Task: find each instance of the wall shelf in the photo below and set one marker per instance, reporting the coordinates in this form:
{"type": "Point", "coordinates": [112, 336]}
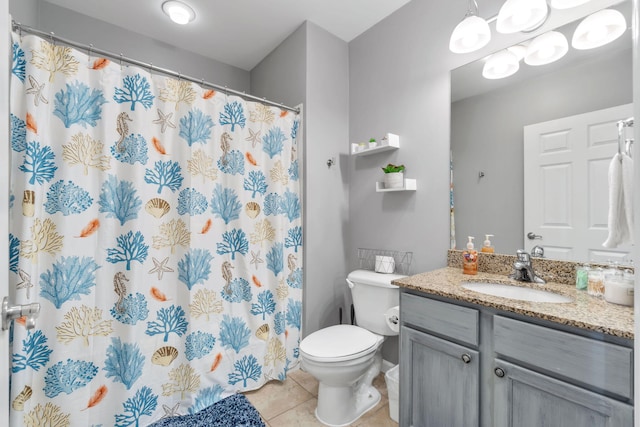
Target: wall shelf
{"type": "Point", "coordinates": [409, 185]}
{"type": "Point", "coordinates": [388, 143]}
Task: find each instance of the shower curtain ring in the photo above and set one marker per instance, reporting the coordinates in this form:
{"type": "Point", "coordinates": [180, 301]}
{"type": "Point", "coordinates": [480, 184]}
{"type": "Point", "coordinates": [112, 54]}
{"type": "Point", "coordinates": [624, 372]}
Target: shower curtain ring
{"type": "Point", "coordinates": [150, 67]}
{"type": "Point", "coordinates": [89, 54]}
{"type": "Point", "coordinates": [121, 62]}
{"type": "Point", "coordinates": [51, 34]}
{"type": "Point", "coordinates": [20, 32]}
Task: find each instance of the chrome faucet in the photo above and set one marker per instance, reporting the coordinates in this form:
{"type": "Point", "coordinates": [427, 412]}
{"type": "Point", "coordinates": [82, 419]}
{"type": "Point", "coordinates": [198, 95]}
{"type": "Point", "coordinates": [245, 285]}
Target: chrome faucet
{"type": "Point", "coordinates": [523, 270]}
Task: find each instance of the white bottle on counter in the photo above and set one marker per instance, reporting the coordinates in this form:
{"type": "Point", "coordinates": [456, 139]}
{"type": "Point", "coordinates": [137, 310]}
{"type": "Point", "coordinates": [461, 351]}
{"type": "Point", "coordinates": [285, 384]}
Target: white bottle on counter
{"type": "Point", "coordinates": [619, 288]}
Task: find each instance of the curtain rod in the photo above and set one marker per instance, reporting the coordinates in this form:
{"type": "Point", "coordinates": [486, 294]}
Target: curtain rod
{"type": "Point", "coordinates": [16, 26]}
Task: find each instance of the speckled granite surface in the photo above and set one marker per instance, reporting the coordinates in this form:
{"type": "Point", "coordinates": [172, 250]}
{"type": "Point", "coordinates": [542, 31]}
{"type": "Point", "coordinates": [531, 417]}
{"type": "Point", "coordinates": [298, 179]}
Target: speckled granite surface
{"type": "Point", "coordinates": [549, 269]}
{"type": "Point", "coordinates": [584, 312]}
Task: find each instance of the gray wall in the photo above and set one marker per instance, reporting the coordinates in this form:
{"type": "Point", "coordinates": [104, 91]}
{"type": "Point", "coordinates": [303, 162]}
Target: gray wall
{"type": "Point", "coordinates": [400, 83]}
{"type": "Point", "coordinates": [80, 28]}
{"type": "Point", "coordinates": [311, 66]}
{"type": "Point", "coordinates": [487, 135]}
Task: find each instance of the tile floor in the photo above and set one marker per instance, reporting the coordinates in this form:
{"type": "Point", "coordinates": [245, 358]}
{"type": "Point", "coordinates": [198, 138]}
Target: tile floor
{"type": "Point", "coordinates": [292, 403]}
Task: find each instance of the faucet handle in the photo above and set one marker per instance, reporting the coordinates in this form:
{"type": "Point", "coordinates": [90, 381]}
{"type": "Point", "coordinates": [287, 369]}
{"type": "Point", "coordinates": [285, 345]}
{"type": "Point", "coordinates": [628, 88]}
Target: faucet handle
{"type": "Point", "coordinates": [537, 251]}
{"type": "Point", "coordinates": [523, 255]}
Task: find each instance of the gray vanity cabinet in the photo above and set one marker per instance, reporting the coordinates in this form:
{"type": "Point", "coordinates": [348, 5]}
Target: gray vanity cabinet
{"type": "Point", "coordinates": [524, 398]}
{"type": "Point", "coordinates": [441, 380]}
{"type": "Point", "coordinates": [440, 364]}
{"type": "Point", "coordinates": [565, 369]}
{"type": "Point", "coordinates": [467, 365]}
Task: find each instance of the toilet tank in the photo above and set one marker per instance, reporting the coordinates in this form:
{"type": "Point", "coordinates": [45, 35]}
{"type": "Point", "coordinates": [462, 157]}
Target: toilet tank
{"type": "Point", "coordinates": [373, 294]}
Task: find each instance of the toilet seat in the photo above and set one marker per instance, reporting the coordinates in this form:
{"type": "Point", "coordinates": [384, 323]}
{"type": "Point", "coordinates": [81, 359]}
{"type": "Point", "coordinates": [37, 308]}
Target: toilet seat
{"type": "Point", "coordinates": [338, 343]}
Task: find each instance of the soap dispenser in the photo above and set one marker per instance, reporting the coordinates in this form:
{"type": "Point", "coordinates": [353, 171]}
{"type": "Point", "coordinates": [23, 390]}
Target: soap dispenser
{"type": "Point", "coordinates": [470, 258]}
{"type": "Point", "coordinates": [487, 248]}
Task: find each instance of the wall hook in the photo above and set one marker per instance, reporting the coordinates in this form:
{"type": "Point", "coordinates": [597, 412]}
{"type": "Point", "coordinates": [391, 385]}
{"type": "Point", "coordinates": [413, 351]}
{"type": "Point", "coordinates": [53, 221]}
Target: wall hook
{"type": "Point", "coordinates": [480, 175]}
{"type": "Point", "coordinates": [331, 162]}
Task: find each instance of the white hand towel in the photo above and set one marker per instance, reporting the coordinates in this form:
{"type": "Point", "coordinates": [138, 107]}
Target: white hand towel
{"type": "Point", "coordinates": [620, 201]}
{"type": "Point", "coordinates": [627, 191]}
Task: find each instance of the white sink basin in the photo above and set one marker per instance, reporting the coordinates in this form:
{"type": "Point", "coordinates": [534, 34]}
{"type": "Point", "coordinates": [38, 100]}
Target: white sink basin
{"type": "Point", "coordinates": [516, 292]}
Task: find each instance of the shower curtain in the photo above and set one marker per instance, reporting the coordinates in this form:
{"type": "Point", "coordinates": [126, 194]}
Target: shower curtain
{"type": "Point", "coordinates": [159, 226]}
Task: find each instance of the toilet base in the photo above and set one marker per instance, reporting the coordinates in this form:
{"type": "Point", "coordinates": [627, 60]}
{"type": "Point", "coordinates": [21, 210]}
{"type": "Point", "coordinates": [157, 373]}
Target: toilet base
{"type": "Point", "coordinates": [365, 399]}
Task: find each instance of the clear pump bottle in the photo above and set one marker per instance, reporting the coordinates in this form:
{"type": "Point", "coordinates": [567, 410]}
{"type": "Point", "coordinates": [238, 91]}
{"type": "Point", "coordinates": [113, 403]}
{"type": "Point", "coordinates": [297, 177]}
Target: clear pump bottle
{"type": "Point", "coordinates": [486, 247]}
{"type": "Point", "coordinates": [470, 259]}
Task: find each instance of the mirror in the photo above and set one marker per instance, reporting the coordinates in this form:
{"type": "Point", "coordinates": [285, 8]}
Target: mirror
{"type": "Point", "coordinates": [487, 138]}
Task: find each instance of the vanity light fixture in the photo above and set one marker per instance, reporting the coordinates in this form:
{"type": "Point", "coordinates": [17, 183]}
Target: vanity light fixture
{"type": "Point", "coordinates": [179, 12]}
{"type": "Point", "coordinates": [501, 64]}
{"type": "Point", "coordinates": [567, 4]}
{"type": "Point", "coordinates": [599, 29]}
{"type": "Point", "coordinates": [521, 15]}
{"type": "Point", "coordinates": [472, 33]}
{"type": "Point", "coordinates": [546, 48]}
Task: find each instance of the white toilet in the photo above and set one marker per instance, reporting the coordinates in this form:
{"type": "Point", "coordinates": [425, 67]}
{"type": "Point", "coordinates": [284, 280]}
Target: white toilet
{"type": "Point", "coordinates": [345, 359]}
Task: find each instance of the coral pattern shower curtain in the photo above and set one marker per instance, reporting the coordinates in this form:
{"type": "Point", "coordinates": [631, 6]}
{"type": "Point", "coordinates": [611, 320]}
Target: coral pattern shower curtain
{"type": "Point", "coordinates": [159, 226]}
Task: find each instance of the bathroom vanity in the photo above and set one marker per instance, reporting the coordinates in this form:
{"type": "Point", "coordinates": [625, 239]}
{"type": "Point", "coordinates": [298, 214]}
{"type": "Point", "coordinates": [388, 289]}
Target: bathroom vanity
{"type": "Point", "coordinates": [469, 359]}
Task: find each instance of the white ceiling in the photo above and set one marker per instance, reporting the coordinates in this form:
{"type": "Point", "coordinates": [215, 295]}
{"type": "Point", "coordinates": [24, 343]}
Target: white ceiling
{"type": "Point", "coordinates": [237, 32]}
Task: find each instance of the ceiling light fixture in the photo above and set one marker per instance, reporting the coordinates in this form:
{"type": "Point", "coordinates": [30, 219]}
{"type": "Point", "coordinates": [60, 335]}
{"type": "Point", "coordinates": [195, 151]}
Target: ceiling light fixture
{"type": "Point", "coordinates": [599, 29]}
{"type": "Point", "coordinates": [521, 15]}
{"type": "Point", "coordinates": [546, 48]}
{"type": "Point", "coordinates": [471, 34]}
{"type": "Point", "coordinates": [179, 12]}
{"type": "Point", "coordinates": [500, 65]}
{"type": "Point", "coordinates": [567, 4]}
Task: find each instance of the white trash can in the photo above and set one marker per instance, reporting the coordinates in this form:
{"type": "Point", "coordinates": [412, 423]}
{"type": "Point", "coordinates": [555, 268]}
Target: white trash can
{"type": "Point", "coordinates": [392, 378]}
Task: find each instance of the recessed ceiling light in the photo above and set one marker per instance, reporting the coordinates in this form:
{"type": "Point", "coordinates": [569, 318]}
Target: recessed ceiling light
{"type": "Point", "coordinates": [179, 12]}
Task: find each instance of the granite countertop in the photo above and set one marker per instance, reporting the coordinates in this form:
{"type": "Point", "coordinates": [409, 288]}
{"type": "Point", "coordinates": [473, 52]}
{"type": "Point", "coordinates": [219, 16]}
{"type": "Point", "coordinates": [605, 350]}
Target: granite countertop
{"type": "Point", "coordinates": [585, 312]}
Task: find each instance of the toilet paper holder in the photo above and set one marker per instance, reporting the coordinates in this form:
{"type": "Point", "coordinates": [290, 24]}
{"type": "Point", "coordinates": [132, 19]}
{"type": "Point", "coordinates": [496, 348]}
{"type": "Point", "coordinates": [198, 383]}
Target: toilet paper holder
{"type": "Point", "coordinates": [392, 318]}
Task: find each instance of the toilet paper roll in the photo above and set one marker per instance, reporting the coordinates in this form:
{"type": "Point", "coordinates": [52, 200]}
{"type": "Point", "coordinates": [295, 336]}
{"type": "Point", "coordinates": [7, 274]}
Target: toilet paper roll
{"type": "Point", "coordinates": [392, 317]}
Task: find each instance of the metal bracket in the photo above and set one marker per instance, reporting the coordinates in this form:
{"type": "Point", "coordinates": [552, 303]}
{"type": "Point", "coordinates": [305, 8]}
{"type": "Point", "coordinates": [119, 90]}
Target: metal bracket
{"type": "Point", "coordinates": [9, 313]}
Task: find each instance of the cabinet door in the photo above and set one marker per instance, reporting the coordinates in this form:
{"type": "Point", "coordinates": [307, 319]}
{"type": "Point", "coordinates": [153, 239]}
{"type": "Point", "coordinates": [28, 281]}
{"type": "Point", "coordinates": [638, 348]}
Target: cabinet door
{"type": "Point", "coordinates": [439, 382]}
{"type": "Point", "coordinates": [524, 398]}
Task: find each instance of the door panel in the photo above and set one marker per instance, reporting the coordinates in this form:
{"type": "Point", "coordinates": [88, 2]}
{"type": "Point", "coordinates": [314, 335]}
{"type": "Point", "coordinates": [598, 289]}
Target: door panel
{"type": "Point", "coordinates": [525, 398]}
{"type": "Point", "coordinates": [566, 194]}
{"type": "Point", "coordinates": [440, 388]}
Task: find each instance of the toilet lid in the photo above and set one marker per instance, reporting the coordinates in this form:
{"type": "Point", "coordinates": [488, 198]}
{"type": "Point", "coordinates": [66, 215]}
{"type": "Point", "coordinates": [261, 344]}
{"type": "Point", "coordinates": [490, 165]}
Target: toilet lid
{"type": "Point", "coordinates": [338, 341]}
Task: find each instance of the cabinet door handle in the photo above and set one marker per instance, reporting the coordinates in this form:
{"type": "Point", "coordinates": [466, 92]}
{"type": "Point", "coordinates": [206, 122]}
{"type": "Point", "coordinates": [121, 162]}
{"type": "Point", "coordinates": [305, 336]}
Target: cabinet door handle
{"type": "Point", "coordinates": [499, 372]}
{"type": "Point", "coordinates": [466, 358]}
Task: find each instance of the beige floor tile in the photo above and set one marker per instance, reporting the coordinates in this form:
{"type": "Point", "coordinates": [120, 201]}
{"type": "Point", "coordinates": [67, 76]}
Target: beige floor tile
{"type": "Point", "coordinates": [379, 418]}
{"type": "Point", "coordinates": [293, 403]}
{"type": "Point", "coordinates": [301, 415]}
{"type": "Point", "coordinates": [306, 380]}
{"type": "Point", "coordinates": [276, 398]}
{"type": "Point", "coordinates": [380, 384]}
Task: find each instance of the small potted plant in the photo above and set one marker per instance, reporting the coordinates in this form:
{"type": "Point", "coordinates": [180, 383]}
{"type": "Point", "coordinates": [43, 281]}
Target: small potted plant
{"type": "Point", "coordinates": [372, 143]}
{"type": "Point", "coordinates": [393, 176]}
